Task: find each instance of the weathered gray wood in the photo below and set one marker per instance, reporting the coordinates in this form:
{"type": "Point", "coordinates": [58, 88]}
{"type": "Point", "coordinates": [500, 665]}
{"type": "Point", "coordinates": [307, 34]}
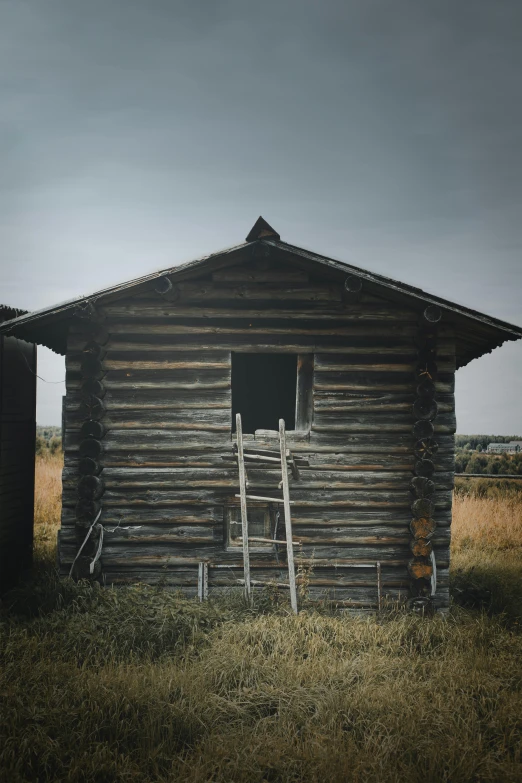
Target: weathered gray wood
{"type": "Point", "coordinates": [158, 399]}
{"type": "Point", "coordinates": [373, 520]}
{"type": "Point", "coordinates": [203, 581]}
{"type": "Point", "coordinates": [248, 274]}
{"type": "Point", "coordinates": [304, 392]}
{"type": "Point", "coordinates": [210, 292]}
{"type": "Point", "coordinates": [386, 383]}
{"type": "Point", "coordinates": [146, 555]}
{"type": "Point", "coordinates": [353, 500]}
{"type": "Point", "coordinates": [314, 498]}
{"type": "Point", "coordinates": [288, 518]}
{"type": "Point", "coordinates": [114, 517]}
{"type": "Point", "coordinates": [325, 421]}
{"type": "Point", "coordinates": [211, 420]}
{"type": "Point", "coordinates": [244, 516]}
{"type": "Point", "coordinates": [145, 439]}
{"type": "Point", "coordinates": [258, 476]}
{"type": "Point", "coordinates": [176, 535]}
{"type": "Point", "coordinates": [331, 307]}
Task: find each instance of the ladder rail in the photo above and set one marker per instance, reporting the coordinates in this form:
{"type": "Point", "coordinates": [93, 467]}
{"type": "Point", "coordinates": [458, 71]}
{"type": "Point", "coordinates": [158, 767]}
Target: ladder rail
{"type": "Point", "coordinates": [288, 518]}
{"type": "Point", "coordinates": [243, 501]}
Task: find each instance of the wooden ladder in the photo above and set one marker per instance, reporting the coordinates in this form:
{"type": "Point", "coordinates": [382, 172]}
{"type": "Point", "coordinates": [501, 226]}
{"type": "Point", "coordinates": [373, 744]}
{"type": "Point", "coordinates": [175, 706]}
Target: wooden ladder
{"type": "Point", "coordinates": [264, 457]}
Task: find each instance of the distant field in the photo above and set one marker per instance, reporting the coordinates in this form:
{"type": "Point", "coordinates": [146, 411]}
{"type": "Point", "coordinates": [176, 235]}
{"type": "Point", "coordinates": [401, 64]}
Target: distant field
{"type": "Point", "coordinates": [136, 684]}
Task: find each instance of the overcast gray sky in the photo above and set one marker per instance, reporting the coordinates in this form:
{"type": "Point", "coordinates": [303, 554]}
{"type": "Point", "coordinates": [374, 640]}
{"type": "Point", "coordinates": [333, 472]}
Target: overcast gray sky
{"type": "Point", "coordinates": [137, 134]}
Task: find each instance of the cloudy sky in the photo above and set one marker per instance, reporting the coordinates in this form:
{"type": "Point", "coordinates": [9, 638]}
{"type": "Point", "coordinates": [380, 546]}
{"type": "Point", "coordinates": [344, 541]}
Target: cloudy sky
{"type": "Point", "coordinates": [137, 134]}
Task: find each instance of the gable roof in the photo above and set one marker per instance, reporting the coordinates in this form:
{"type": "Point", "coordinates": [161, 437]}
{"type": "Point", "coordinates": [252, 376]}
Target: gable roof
{"type": "Point", "coordinates": [476, 332]}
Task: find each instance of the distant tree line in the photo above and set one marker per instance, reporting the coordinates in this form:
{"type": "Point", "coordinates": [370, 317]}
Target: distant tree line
{"type": "Point", "coordinates": [481, 442]}
{"type": "Point", "coordinates": [48, 440]}
{"type": "Point", "coordinates": [475, 462]}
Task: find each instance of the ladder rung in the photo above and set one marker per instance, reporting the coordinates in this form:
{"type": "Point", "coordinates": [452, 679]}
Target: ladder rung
{"type": "Point", "coordinates": [262, 452]}
{"type": "Point", "coordinates": [259, 497]}
{"type": "Point", "coordinates": [300, 462]}
{"type": "Point", "coordinates": [279, 542]}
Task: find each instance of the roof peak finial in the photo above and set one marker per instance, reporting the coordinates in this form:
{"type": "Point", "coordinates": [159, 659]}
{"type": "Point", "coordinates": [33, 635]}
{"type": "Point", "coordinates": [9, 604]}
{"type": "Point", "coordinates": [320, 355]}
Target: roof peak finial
{"type": "Point", "coordinates": [260, 230]}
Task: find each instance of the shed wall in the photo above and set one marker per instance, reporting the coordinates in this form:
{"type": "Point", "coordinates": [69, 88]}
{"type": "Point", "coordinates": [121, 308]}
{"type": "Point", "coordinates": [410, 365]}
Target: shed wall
{"type": "Point", "coordinates": [17, 448]}
{"type": "Point", "coordinates": [167, 381]}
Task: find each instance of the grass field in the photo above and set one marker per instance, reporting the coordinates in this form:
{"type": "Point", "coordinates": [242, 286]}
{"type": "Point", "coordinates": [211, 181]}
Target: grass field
{"type": "Point", "coordinates": [139, 685]}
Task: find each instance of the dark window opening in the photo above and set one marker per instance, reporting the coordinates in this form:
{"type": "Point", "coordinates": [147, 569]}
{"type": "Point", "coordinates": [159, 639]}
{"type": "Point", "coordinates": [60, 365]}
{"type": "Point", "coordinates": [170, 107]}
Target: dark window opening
{"type": "Point", "coordinates": [259, 526]}
{"type": "Point", "coordinates": [264, 390]}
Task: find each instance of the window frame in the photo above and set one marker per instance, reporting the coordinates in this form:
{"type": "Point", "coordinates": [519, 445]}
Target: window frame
{"type": "Point", "coordinates": [304, 407]}
{"type": "Point", "coordinates": [270, 510]}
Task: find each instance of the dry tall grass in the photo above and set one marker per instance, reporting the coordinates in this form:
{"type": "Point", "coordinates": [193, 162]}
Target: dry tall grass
{"type": "Point", "coordinates": [487, 523]}
{"type": "Point", "coordinates": [47, 502]}
{"type": "Point", "coordinates": [486, 551]}
{"type": "Point", "coordinates": [137, 684]}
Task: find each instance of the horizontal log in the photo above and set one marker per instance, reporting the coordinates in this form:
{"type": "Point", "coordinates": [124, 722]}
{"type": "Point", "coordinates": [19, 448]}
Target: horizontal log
{"type": "Point", "coordinates": [262, 477]}
{"type": "Point", "coordinates": [324, 421]}
{"type": "Point", "coordinates": [321, 301]}
{"type": "Point", "coordinates": [212, 420]}
{"type": "Point", "coordinates": [341, 344]}
{"type": "Point", "coordinates": [161, 351]}
{"type": "Point", "coordinates": [372, 365]}
{"type": "Point", "coordinates": [385, 383]}
{"type": "Point", "coordinates": [252, 275]}
{"type": "Point", "coordinates": [211, 458]}
{"type": "Point", "coordinates": [190, 535]}
{"type": "Point", "coordinates": [319, 443]}
{"type": "Point", "coordinates": [157, 399]}
{"type": "Point", "coordinates": [145, 439]}
{"type": "Point", "coordinates": [277, 322]}
{"type": "Point", "coordinates": [214, 514]}
{"type": "Point", "coordinates": [175, 515]}
{"type": "Point", "coordinates": [346, 401]}
{"type": "Point", "coordinates": [127, 556]}
{"type": "Point", "coordinates": [358, 499]}
{"type": "Point", "coordinates": [198, 534]}
{"type": "Point", "coordinates": [210, 292]}
{"type": "Point", "coordinates": [251, 342]}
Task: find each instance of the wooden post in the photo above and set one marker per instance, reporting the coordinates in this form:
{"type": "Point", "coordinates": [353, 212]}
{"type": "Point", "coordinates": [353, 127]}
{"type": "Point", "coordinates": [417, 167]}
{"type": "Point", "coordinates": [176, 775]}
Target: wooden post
{"type": "Point", "coordinates": [379, 586]}
{"type": "Point", "coordinates": [242, 495]}
{"type": "Point", "coordinates": [288, 519]}
{"type": "Point", "coordinates": [203, 581]}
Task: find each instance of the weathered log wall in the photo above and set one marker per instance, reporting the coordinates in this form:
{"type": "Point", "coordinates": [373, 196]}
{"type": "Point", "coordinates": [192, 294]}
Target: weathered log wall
{"type": "Point", "coordinates": [166, 409]}
{"type": "Point", "coordinates": [17, 445]}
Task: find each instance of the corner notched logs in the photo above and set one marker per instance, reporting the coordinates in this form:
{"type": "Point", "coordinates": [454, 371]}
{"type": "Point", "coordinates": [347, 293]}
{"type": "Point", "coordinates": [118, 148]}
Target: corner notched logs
{"type": "Point", "coordinates": [423, 526]}
{"type": "Point", "coordinates": [90, 487]}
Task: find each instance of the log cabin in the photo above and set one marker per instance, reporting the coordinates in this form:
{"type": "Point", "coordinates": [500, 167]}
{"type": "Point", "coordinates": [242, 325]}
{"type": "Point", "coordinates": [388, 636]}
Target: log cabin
{"type": "Point", "coordinates": [360, 367]}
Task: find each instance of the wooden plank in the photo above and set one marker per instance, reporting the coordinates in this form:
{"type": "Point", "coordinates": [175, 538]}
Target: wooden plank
{"type": "Point", "coordinates": [399, 320]}
{"type": "Point", "coordinates": [288, 518]}
{"type": "Point", "coordinates": [145, 439]}
{"type": "Point", "coordinates": [244, 516]}
{"type": "Point", "coordinates": [304, 392]}
{"type": "Point", "coordinates": [258, 476]}
{"type": "Point", "coordinates": [210, 292]}
{"type": "Point", "coordinates": [157, 399]}
{"type": "Point", "coordinates": [248, 274]}
{"type": "Point", "coordinates": [203, 581]}
{"type": "Point", "coordinates": [399, 499]}
{"type": "Point", "coordinates": [130, 556]}
{"type": "Point", "coordinates": [324, 421]}
{"type": "Point", "coordinates": [210, 420]}
{"type": "Point", "coordinates": [156, 518]}
{"type": "Point", "coordinates": [365, 402]}
{"type": "Point", "coordinates": [140, 535]}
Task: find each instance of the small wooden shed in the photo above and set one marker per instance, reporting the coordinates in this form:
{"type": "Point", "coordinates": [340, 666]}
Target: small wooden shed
{"type": "Point", "coordinates": [17, 445]}
{"type": "Point", "coordinates": [362, 369]}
